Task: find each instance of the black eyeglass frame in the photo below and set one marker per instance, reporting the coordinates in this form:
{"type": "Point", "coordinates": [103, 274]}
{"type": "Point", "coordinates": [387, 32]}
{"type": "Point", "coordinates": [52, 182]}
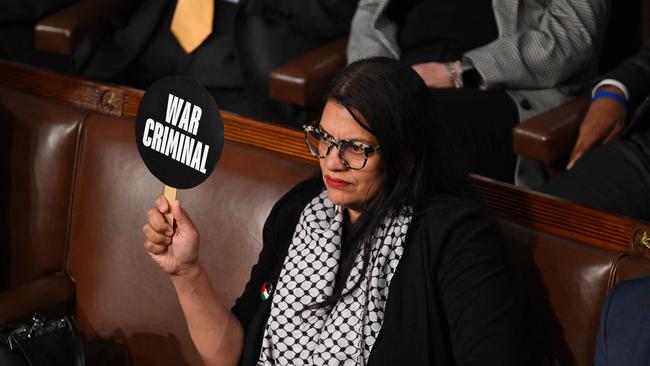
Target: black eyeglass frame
{"type": "Point", "coordinates": [341, 145]}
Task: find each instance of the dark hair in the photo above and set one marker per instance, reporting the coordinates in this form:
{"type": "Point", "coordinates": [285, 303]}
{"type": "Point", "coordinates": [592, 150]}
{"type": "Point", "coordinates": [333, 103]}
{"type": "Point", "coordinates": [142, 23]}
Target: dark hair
{"type": "Point", "coordinates": [418, 157]}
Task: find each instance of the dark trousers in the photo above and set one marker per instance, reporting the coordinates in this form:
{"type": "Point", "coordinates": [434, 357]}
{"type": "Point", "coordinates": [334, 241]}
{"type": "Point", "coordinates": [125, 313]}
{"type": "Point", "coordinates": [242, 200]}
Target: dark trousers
{"type": "Point", "coordinates": [480, 124]}
{"type": "Point", "coordinates": [614, 177]}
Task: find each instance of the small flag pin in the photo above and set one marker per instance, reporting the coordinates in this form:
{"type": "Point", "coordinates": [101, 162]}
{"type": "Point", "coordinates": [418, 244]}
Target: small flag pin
{"type": "Point", "coordinates": [266, 290]}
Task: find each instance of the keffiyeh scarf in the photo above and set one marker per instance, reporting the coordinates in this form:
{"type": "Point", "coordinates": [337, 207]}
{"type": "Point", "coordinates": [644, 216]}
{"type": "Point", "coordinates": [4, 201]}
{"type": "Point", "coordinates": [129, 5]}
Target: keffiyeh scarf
{"type": "Point", "coordinates": [345, 334]}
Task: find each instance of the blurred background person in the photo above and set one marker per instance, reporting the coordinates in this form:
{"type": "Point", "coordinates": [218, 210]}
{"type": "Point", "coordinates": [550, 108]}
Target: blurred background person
{"type": "Point", "coordinates": [609, 167]}
{"type": "Point", "coordinates": [229, 46]}
{"type": "Point", "coordinates": [248, 39]}
{"type": "Point", "coordinates": [489, 64]}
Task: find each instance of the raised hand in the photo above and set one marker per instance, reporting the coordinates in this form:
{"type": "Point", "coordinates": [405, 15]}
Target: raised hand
{"type": "Point", "coordinates": [175, 251]}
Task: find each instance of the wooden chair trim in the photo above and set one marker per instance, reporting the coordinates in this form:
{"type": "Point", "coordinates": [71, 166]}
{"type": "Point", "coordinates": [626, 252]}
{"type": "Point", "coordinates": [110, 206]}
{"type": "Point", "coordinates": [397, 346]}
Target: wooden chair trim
{"type": "Point", "coordinates": [549, 137]}
{"type": "Point", "coordinates": [532, 209]}
{"type": "Point", "coordinates": [62, 31]}
{"type": "Point", "coordinates": [303, 80]}
{"type": "Point", "coordinates": [563, 218]}
{"type": "Point", "coordinates": [124, 101]}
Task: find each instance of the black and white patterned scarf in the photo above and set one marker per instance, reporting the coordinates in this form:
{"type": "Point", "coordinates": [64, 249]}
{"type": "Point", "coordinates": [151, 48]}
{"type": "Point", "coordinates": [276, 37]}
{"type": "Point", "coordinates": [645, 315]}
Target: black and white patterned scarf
{"type": "Point", "coordinates": [345, 335]}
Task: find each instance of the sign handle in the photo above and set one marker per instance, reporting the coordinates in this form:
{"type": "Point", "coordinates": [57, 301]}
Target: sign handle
{"type": "Point", "coordinates": [170, 195]}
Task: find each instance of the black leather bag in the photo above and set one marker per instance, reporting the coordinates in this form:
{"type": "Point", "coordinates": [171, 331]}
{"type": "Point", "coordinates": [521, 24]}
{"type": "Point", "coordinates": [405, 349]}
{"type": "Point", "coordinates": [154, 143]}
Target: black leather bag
{"type": "Point", "coordinates": [41, 343]}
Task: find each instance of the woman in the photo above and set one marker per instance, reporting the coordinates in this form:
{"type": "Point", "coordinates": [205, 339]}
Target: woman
{"type": "Point", "coordinates": [383, 259]}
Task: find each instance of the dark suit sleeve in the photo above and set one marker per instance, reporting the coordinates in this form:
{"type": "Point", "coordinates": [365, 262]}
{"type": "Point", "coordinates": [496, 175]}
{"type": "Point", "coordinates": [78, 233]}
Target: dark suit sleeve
{"type": "Point", "coordinates": [13, 11]}
{"type": "Point", "coordinates": [481, 303]}
{"type": "Point", "coordinates": [634, 73]}
{"type": "Point", "coordinates": [324, 19]}
{"type": "Point", "coordinates": [600, 354]}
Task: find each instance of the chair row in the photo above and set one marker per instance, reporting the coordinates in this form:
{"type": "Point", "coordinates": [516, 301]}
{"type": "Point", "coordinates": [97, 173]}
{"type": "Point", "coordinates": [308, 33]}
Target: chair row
{"type": "Point", "coordinates": [77, 193]}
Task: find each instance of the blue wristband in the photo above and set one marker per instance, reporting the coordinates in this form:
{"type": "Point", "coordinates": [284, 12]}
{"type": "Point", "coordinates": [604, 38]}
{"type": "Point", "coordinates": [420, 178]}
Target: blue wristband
{"type": "Point", "coordinates": [610, 95]}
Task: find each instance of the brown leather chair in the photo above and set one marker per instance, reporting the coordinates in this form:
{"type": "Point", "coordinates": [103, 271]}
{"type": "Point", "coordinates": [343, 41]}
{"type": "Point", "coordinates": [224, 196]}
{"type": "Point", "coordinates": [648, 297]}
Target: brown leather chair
{"type": "Point", "coordinates": [564, 255]}
{"type": "Point", "coordinates": [39, 142]}
{"type": "Point", "coordinates": [62, 31]}
{"type": "Point", "coordinates": [121, 294]}
{"type": "Point", "coordinates": [303, 80]}
{"type": "Point", "coordinates": [567, 256]}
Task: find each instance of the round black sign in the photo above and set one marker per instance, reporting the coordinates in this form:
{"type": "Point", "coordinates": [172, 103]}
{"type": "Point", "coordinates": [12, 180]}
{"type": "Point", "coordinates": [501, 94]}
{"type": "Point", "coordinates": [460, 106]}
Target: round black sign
{"type": "Point", "coordinates": [179, 131]}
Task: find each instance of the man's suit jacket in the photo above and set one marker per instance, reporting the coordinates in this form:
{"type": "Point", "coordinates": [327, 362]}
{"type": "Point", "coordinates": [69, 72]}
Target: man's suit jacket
{"type": "Point", "coordinates": [249, 39]}
{"type": "Point", "coordinates": [544, 47]}
{"type": "Point", "coordinates": [634, 73]}
{"type": "Point", "coordinates": [624, 332]}
{"type": "Point", "coordinates": [268, 33]}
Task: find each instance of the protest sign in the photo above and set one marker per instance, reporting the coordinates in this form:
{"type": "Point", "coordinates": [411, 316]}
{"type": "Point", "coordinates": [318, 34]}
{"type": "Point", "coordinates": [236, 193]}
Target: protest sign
{"type": "Point", "coordinates": [179, 133]}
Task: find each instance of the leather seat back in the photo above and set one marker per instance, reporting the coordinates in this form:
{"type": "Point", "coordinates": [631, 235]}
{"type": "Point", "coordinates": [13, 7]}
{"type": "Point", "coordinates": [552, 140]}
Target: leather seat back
{"type": "Point", "coordinates": [121, 294]}
{"type": "Point", "coordinates": [567, 282]}
{"type": "Point", "coordinates": [38, 146]}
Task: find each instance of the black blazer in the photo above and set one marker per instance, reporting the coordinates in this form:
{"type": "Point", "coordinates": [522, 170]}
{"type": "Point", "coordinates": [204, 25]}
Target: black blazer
{"type": "Point", "coordinates": [451, 300]}
{"type": "Point", "coordinates": [249, 40]}
{"type": "Point", "coordinates": [16, 11]}
{"type": "Point", "coordinates": [269, 33]}
{"type": "Point", "coordinates": [634, 73]}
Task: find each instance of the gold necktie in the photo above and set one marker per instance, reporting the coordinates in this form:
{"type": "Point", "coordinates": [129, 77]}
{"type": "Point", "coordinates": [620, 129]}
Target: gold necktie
{"type": "Point", "coordinates": [192, 22]}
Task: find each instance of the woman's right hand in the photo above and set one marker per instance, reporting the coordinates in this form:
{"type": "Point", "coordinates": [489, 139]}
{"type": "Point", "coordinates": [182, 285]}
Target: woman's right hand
{"type": "Point", "coordinates": [175, 251]}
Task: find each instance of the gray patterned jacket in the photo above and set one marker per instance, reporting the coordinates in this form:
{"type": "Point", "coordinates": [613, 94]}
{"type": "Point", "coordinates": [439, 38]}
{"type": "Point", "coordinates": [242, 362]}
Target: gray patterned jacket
{"type": "Point", "coordinates": [545, 47]}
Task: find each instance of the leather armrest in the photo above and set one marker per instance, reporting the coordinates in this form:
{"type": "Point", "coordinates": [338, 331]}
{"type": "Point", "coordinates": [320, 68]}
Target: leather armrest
{"type": "Point", "coordinates": [49, 296]}
{"type": "Point", "coordinates": [62, 31]}
{"type": "Point", "coordinates": [549, 137]}
{"type": "Point", "coordinates": [303, 80]}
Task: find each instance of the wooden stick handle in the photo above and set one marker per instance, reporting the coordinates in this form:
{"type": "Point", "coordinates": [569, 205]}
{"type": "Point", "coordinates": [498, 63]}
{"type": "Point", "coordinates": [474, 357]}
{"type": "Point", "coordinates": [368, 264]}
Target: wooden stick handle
{"type": "Point", "coordinates": [170, 195]}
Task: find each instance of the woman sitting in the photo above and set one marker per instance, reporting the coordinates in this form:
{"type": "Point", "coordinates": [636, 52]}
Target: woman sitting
{"type": "Point", "coordinates": [385, 258]}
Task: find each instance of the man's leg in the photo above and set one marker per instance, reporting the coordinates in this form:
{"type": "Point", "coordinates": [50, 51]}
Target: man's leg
{"type": "Point", "coordinates": [614, 177]}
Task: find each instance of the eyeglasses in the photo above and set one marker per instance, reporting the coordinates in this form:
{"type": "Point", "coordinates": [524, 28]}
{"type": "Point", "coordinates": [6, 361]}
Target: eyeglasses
{"type": "Point", "coordinates": [353, 154]}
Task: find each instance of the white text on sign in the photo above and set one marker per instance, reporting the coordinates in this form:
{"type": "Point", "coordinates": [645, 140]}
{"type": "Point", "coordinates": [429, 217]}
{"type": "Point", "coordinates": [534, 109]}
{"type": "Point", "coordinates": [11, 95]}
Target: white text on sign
{"type": "Point", "coordinates": [175, 144]}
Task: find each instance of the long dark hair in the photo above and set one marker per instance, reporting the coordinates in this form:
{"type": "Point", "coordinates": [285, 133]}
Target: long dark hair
{"type": "Point", "coordinates": [418, 158]}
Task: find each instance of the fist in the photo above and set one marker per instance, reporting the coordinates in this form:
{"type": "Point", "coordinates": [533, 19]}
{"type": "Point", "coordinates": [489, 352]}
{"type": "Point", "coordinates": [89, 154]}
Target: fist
{"type": "Point", "coordinates": [174, 250]}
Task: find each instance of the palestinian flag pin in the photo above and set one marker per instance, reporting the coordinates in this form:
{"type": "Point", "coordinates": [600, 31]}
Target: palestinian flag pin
{"type": "Point", "coordinates": [266, 290]}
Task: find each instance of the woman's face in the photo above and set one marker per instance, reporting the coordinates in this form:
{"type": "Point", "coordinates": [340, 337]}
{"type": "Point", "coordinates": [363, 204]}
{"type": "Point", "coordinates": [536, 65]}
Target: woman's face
{"type": "Point", "coordinates": [346, 187]}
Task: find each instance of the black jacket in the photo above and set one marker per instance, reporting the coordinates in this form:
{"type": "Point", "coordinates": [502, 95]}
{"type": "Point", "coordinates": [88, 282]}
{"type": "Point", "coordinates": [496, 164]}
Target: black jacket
{"type": "Point", "coordinates": [451, 301]}
{"type": "Point", "coordinates": [249, 40]}
{"type": "Point", "coordinates": [634, 73]}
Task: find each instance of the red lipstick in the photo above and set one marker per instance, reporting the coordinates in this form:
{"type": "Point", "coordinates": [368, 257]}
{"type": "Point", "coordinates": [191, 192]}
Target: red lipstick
{"type": "Point", "coordinates": [336, 183]}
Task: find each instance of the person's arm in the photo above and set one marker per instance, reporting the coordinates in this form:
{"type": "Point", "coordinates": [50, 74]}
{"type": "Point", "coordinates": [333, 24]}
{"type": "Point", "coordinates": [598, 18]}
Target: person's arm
{"type": "Point", "coordinates": [607, 114]}
{"type": "Point", "coordinates": [565, 42]}
{"type": "Point", "coordinates": [215, 331]}
{"type": "Point", "coordinates": [481, 302]}
{"type": "Point", "coordinates": [604, 121]}
{"type": "Point", "coordinates": [372, 33]}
